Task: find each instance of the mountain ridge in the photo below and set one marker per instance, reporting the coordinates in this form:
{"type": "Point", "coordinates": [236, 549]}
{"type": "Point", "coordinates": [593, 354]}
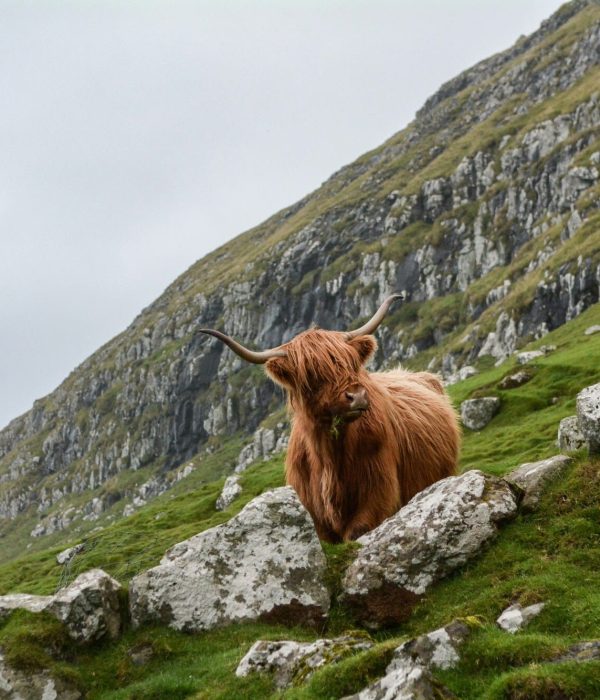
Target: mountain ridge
{"type": "Point", "coordinates": [453, 208]}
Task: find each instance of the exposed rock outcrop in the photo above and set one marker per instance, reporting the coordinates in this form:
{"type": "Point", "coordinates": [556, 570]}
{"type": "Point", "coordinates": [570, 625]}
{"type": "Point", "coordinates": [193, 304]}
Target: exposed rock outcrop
{"type": "Point", "coordinates": [583, 651]}
{"type": "Point", "coordinates": [440, 529]}
{"type": "Point", "coordinates": [265, 563]}
{"type": "Point", "coordinates": [231, 490]}
{"type": "Point", "coordinates": [26, 685]}
{"type": "Point", "coordinates": [266, 442]}
{"type": "Point", "coordinates": [294, 662]}
{"type": "Point", "coordinates": [533, 477]}
{"type": "Point", "coordinates": [408, 676]}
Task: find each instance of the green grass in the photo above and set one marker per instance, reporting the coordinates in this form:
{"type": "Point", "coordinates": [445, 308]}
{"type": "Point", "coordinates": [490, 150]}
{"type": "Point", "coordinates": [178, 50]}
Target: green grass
{"type": "Point", "coordinates": [526, 428]}
{"type": "Point", "coordinates": [551, 555]}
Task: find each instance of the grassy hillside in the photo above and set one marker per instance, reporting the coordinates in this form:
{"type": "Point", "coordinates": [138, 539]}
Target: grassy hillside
{"type": "Point", "coordinates": [551, 555]}
{"type": "Point", "coordinates": [152, 399]}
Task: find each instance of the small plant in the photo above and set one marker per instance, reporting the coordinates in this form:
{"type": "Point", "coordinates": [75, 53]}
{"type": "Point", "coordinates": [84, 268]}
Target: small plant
{"type": "Point", "coordinates": [336, 421]}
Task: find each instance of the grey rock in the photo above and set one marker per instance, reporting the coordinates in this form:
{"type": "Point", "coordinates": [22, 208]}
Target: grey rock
{"type": "Point", "coordinates": [89, 607]}
{"type": "Point", "coordinates": [28, 685]}
{"type": "Point", "coordinates": [408, 676]}
{"type": "Point", "coordinates": [66, 555]}
{"type": "Point", "coordinates": [460, 375]}
{"type": "Point", "coordinates": [512, 381]}
{"type": "Point", "coordinates": [477, 413]}
{"type": "Point", "coordinates": [533, 477]}
{"type": "Point", "coordinates": [570, 438]}
{"type": "Point", "coordinates": [231, 490]}
{"type": "Point", "coordinates": [590, 330]}
{"type": "Point", "coordinates": [409, 681]}
{"type": "Point", "coordinates": [439, 530]}
{"type": "Point", "coordinates": [23, 601]}
{"type": "Point", "coordinates": [266, 442]}
{"type": "Point", "coordinates": [56, 522]}
{"type": "Point", "coordinates": [515, 617]}
{"type": "Point", "coordinates": [265, 563]}
{"type": "Point", "coordinates": [295, 662]}
{"type": "Point", "coordinates": [501, 343]}
{"type": "Point", "coordinates": [437, 649]}
{"type": "Point", "coordinates": [141, 654]}
{"type": "Point", "coordinates": [588, 416]}
{"type": "Point", "coordinates": [524, 358]}
{"type": "Point", "coordinates": [583, 651]}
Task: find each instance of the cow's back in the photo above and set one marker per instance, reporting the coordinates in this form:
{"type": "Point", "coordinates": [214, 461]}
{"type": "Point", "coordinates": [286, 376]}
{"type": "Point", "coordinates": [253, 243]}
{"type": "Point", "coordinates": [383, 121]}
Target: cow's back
{"type": "Point", "coordinates": [397, 378]}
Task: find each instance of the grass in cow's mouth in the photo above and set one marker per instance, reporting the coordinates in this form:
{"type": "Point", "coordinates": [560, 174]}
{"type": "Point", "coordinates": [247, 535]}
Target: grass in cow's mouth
{"type": "Point", "coordinates": [336, 421]}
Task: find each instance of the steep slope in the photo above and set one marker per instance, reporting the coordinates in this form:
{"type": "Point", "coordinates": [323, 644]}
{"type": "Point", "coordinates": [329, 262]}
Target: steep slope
{"type": "Point", "coordinates": [485, 209]}
{"type": "Point", "coordinates": [550, 555]}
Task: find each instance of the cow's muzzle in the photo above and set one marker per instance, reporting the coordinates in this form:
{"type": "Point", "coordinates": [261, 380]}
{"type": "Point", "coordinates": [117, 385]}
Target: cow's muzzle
{"type": "Point", "coordinates": [357, 402]}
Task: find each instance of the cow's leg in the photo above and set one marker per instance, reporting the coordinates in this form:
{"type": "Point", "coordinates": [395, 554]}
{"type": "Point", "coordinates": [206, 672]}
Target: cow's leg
{"type": "Point", "coordinates": [362, 523]}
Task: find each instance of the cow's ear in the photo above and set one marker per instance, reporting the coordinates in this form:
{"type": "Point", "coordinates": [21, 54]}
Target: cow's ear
{"type": "Point", "coordinates": [280, 371]}
{"type": "Point", "coordinates": [365, 346]}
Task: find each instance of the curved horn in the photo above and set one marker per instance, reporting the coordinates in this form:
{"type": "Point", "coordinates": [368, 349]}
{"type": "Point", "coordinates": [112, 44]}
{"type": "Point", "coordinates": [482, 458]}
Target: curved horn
{"type": "Point", "coordinates": [257, 358]}
{"type": "Point", "coordinates": [371, 325]}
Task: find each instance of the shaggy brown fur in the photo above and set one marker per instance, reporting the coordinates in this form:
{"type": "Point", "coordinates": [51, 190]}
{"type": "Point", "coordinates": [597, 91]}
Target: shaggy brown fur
{"type": "Point", "coordinates": [350, 472]}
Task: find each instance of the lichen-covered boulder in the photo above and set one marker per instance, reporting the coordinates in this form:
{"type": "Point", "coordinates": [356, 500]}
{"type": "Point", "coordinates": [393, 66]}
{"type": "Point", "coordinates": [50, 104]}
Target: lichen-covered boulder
{"type": "Point", "coordinates": [533, 477]}
{"type": "Point", "coordinates": [570, 437]}
{"type": "Point", "coordinates": [437, 649]}
{"type": "Point", "coordinates": [405, 681]}
{"type": "Point", "coordinates": [477, 413]}
{"type": "Point", "coordinates": [590, 330]}
{"type": "Point", "coordinates": [28, 685]}
{"type": "Point", "coordinates": [408, 676]}
{"type": "Point", "coordinates": [440, 529]}
{"type": "Point", "coordinates": [588, 415]}
{"type": "Point", "coordinates": [89, 607]}
{"type": "Point", "coordinates": [515, 617]}
{"type": "Point", "coordinates": [231, 490]}
{"type": "Point", "coordinates": [295, 662]}
{"type": "Point", "coordinates": [265, 563]}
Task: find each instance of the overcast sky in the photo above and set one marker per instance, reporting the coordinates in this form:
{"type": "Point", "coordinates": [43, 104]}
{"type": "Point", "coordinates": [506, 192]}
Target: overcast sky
{"type": "Point", "coordinates": [137, 136]}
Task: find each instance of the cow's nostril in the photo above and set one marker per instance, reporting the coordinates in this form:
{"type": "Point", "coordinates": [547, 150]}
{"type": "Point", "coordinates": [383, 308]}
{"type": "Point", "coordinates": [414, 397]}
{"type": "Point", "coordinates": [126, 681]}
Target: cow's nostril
{"type": "Point", "coordinates": [350, 396]}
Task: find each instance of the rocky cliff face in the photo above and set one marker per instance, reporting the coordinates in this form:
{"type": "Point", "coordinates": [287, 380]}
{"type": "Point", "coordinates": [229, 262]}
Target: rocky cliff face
{"type": "Point", "coordinates": [485, 210]}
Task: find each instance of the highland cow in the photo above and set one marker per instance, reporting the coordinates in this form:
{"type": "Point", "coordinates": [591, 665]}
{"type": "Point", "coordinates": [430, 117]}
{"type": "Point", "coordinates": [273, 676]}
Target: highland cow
{"type": "Point", "coordinates": [362, 443]}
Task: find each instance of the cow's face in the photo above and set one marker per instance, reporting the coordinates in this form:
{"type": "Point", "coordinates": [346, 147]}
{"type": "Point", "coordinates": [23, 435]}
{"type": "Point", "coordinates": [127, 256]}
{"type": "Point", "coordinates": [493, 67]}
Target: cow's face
{"type": "Point", "coordinates": [324, 374]}
{"type": "Point", "coordinates": [322, 370]}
